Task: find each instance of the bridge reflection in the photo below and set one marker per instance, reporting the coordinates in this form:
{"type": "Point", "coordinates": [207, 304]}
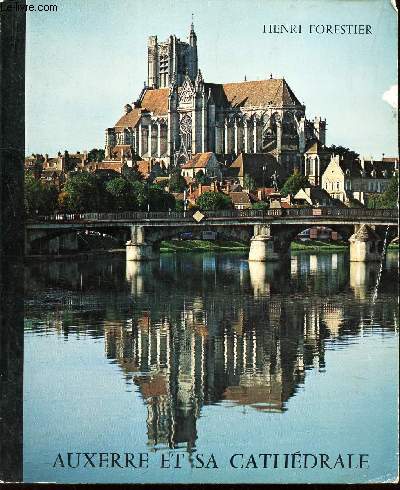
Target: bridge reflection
{"type": "Point", "coordinates": [208, 329]}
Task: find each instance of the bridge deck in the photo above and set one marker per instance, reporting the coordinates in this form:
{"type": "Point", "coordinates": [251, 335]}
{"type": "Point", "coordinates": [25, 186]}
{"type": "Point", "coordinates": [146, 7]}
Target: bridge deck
{"type": "Point", "coordinates": [246, 217]}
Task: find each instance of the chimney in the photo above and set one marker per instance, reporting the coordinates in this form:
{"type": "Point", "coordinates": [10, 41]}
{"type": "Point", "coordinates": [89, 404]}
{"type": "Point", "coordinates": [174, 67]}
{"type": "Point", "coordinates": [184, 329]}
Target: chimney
{"type": "Point", "coordinates": [200, 189]}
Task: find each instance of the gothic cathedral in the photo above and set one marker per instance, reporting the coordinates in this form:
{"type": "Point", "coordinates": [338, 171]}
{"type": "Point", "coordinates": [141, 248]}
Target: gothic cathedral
{"type": "Point", "coordinates": [178, 115]}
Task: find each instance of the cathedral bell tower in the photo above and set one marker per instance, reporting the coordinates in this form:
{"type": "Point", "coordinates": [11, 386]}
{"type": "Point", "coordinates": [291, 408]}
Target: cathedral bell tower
{"type": "Point", "coordinates": [171, 60]}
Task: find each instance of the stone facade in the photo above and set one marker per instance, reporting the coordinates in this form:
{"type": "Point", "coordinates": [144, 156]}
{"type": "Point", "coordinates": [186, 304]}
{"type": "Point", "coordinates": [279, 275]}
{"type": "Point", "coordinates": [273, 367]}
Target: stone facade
{"type": "Point", "coordinates": [205, 162]}
{"type": "Point", "coordinates": [349, 178]}
{"type": "Point", "coordinates": [178, 114]}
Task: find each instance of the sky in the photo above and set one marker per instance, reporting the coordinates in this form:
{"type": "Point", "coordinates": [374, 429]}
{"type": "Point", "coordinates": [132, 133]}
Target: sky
{"type": "Point", "coordinates": [88, 59]}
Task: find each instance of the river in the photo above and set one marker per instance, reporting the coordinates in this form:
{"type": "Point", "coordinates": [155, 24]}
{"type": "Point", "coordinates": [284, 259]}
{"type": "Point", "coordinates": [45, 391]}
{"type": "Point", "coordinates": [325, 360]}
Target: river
{"type": "Point", "coordinates": [209, 358]}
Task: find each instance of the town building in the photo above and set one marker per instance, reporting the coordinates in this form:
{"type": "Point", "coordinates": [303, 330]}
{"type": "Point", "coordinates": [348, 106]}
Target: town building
{"type": "Point", "coordinates": [315, 160]}
{"type": "Point", "coordinates": [178, 114]}
{"type": "Point", "coordinates": [55, 169]}
{"type": "Point", "coordinates": [347, 178]}
{"type": "Point", "coordinates": [261, 168]}
{"type": "Point", "coordinates": [204, 162]}
{"type": "Point", "coordinates": [315, 196]}
{"type": "Point", "coordinates": [242, 200]}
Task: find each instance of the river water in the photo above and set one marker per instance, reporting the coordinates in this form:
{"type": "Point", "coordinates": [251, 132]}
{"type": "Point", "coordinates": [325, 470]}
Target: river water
{"type": "Point", "coordinates": [213, 360]}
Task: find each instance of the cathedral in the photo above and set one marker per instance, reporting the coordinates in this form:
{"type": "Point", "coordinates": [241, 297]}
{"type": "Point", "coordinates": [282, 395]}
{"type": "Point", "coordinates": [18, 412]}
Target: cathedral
{"type": "Point", "coordinates": [178, 115]}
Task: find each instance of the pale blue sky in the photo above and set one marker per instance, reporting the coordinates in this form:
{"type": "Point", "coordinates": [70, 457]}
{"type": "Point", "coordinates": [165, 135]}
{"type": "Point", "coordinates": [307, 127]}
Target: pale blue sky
{"type": "Point", "coordinates": [87, 60]}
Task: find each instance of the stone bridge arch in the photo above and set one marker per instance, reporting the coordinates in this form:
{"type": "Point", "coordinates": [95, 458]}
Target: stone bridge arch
{"type": "Point", "coordinates": [145, 241]}
{"type": "Point", "coordinates": [286, 235]}
{"type": "Point", "coordinates": [50, 241]}
{"type": "Point", "coordinates": [65, 239]}
{"type": "Point", "coordinates": [237, 233]}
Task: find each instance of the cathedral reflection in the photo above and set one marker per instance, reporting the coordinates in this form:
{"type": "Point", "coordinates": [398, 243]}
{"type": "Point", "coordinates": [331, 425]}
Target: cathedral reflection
{"type": "Point", "coordinates": [191, 332]}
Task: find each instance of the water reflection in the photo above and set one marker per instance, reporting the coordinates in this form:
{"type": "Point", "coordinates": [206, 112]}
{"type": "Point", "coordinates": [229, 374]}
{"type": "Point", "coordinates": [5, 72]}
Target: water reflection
{"type": "Point", "coordinates": [210, 329]}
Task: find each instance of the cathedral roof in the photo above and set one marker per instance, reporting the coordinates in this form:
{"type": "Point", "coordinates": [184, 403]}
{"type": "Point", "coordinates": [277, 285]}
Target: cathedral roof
{"type": "Point", "coordinates": [255, 93]}
{"type": "Point", "coordinates": [129, 120]}
{"type": "Point", "coordinates": [153, 100]}
{"type": "Point", "coordinates": [272, 91]}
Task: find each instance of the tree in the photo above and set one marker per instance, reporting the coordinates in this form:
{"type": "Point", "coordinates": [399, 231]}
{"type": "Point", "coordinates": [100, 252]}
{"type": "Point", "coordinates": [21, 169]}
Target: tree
{"type": "Point", "coordinates": [153, 197]}
{"type": "Point", "coordinates": [343, 152]}
{"type": "Point", "coordinates": [83, 193]}
{"type": "Point", "coordinates": [249, 183]}
{"type": "Point", "coordinates": [39, 197]}
{"type": "Point", "coordinates": [132, 173]}
{"type": "Point", "coordinates": [179, 205]}
{"type": "Point", "coordinates": [177, 182]}
{"type": "Point", "coordinates": [214, 201]}
{"type": "Point", "coordinates": [96, 155]}
{"type": "Point", "coordinates": [294, 183]}
{"type": "Point", "coordinates": [159, 199]}
{"type": "Point", "coordinates": [390, 198]}
{"type": "Point", "coordinates": [121, 195]}
{"type": "Point", "coordinates": [202, 178]}
{"type": "Point", "coordinates": [260, 205]}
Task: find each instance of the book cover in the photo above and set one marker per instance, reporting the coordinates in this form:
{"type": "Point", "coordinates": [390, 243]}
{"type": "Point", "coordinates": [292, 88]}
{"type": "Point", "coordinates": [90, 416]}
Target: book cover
{"type": "Point", "coordinates": [199, 231]}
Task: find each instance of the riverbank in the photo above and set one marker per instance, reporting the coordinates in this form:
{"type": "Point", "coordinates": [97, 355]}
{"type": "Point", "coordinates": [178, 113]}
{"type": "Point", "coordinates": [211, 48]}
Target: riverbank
{"type": "Point", "coordinates": [318, 246]}
{"type": "Point", "coordinates": [202, 246]}
{"type": "Point", "coordinates": [226, 246]}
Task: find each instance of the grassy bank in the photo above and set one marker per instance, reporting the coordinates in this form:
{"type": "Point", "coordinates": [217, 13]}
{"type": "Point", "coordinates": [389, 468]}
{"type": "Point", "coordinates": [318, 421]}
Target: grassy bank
{"type": "Point", "coordinates": [316, 245]}
{"type": "Point", "coordinates": [202, 246]}
{"type": "Point", "coordinates": [225, 246]}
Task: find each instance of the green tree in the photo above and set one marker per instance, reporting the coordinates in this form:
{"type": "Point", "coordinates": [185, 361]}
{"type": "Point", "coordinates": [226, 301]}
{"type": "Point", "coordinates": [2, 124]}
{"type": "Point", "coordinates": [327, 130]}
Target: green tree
{"type": "Point", "coordinates": [213, 201]}
{"type": "Point", "coordinates": [121, 195]}
{"type": "Point", "coordinates": [249, 183]}
{"type": "Point", "coordinates": [373, 201]}
{"type": "Point", "coordinates": [153, 197]}
{"type": "Point", "coordinates": [132, 173]}
{"type": "Point", "coordinates": [343, 152]}
{"type": "Point", "coordinates": [294, 183]}
{"type": "Point", "coordinates": [202, 178]}
{"type": "Point", "coordinates": [96, 155]}
{"type": "Point", "coordinates": [39, 197]}
{"type": "Point", "coordinates": [159, 199]}
{"type": "Point", "coordinates": [177, 182]}
{"type": "Point", "coordinates": [179, 205]}
{"type": "Point", "coordinates": [82, 193]}
{"type": "Point", "coordinates": [390, 198]}
{"type": "Point", "coordinates": [260, 205]}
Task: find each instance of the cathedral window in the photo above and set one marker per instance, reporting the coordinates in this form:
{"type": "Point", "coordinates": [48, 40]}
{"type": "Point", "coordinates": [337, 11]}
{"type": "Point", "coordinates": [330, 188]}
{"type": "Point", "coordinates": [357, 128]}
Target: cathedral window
{"type": "Point", "coordinates": [186, 131]}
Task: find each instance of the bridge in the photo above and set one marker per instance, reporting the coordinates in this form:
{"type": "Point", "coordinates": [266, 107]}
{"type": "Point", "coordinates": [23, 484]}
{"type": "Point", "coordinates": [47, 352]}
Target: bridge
{"type": "Point", "coordinates": [269, 232]}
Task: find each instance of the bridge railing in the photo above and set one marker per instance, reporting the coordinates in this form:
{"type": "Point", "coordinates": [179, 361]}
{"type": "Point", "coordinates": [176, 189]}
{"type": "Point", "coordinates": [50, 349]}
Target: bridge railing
{"type": "Point", "coordinates": [223, 214]}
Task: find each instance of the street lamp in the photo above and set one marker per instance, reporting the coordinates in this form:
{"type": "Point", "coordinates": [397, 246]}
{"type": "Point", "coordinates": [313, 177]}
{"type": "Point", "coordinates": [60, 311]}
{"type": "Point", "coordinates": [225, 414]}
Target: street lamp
{"type": "Point", "coordinates": [184, 203]}
{"type": "Point", "coordinates": [264, 168]}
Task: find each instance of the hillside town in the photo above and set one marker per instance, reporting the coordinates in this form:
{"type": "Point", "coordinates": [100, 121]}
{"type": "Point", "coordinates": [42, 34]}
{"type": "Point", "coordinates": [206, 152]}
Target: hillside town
{"type": "Point", "coordinates": [184, 143]}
